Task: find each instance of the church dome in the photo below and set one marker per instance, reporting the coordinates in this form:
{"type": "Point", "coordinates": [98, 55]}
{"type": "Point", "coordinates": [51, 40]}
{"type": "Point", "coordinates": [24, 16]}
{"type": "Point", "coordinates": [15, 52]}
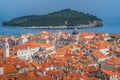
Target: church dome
{"type": "Point", "coordinates": [42, 48]}
{"type": "Point", "coordinates": [75, 32]}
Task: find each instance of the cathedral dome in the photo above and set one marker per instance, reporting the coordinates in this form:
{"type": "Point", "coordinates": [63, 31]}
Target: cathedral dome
{"type": "Point", "coordinates": [42, 48]}
{"type": "Point", "coordinates": [75, 32]}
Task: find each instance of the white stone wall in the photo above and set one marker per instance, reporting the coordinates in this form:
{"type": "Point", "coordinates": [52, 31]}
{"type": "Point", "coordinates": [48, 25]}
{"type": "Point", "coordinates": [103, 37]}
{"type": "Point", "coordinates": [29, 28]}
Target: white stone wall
{"type": "Point", "coordinates": [26, 53]}
{"type": "Point", "coordinates": [89, 36]}
{"type": "Point", "coordinates": [101, 59]}
{"type": "Point", "coordinates": [1, 70]}
{"type": "Point", "coordinates": [107, 38]}
{"type": "Point", "coordinates": [105, 51]}
{"type": "Point", "coordinates": [113, 77]}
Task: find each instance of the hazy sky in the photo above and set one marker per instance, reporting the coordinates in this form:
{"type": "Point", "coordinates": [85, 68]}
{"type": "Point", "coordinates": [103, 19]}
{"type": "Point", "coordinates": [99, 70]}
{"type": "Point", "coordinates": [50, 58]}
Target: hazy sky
{"type": "Point", "coordinates": [15, 8]}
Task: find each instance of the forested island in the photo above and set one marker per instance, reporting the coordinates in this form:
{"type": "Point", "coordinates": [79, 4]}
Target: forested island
{"type": "Point", "coordinates": [66, 18]}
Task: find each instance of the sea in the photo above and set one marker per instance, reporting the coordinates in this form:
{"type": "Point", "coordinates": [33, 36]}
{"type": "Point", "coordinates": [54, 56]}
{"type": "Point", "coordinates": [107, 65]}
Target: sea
{"type": "Point", "coordinates": [110, 25]}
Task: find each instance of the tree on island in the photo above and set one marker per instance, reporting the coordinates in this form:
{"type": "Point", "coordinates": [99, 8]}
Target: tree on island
{"type": "Point", "coordinates": [66, 17]}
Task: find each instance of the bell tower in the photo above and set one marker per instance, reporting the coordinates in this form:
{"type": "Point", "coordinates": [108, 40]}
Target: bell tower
{"type": "Point", "coordinates": [6, 48]}
{"type": "Point", "coordinates": [75, 34]}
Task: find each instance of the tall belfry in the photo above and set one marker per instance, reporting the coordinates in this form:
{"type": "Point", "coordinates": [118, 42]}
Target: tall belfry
{"type": "Point", "coordinates": [6, 48]}
{"type": "Point", "coordinates": [75, 34]}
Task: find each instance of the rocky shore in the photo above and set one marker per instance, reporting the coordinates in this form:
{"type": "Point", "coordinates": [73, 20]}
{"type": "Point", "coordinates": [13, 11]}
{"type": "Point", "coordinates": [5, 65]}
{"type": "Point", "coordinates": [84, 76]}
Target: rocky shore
{"type": "Point", "coordinates": [93, 24]}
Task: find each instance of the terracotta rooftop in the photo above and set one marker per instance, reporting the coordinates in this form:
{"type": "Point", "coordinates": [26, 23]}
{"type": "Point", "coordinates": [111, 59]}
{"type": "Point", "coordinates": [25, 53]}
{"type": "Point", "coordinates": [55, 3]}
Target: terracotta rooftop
{"type": "Point", "coordinates": [108, 72]}
{"type": "Point", "coordinates": [9, 68]}
{"type": "Point", "coordinates": [113, 61]}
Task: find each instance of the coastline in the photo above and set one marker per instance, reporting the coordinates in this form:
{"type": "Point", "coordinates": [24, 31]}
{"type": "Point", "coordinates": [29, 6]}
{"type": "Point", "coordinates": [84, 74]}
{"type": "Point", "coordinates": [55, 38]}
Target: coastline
{"type": "Point", "coordinates": [90, 25]}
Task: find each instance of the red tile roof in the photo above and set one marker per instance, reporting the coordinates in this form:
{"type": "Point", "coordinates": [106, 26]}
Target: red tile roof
{"type": "Point", "coordinates": [113, 61]}
{"type": "Point", "coordinates": [29, 44]}
{"type": "Point", "coordinates": [43, 78]}
{"type": "Point", "coordinates": [108, 72]}
{"type": "Point", "coordinates": [9, 68]}
{"type": "Point", "coordinates": [99, 55]}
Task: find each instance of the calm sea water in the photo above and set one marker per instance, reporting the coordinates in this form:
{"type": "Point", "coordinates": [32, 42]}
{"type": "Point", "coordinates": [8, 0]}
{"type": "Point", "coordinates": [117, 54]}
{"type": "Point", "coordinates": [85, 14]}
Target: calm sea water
{"type": "Point", "coordinates": [111, 25]}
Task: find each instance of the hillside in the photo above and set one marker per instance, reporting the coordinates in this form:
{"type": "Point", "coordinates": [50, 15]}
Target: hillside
{"type": "Point", "coordinates": [66, 17]}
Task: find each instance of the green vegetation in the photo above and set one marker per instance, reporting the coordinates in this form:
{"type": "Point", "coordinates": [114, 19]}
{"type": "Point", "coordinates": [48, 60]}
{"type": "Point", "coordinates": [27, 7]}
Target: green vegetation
{"type": "Point", "coordinates": [66, 17]}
